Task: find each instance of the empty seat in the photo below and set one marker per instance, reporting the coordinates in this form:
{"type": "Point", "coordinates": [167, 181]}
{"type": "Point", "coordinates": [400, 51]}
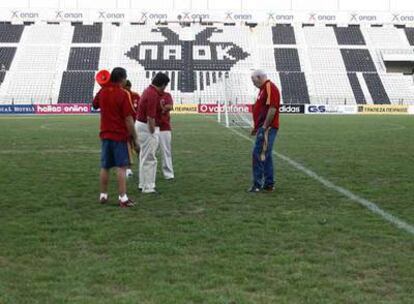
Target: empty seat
{"type": "Point", "coordinates": [283, 34]}
{"type": "Point", "coordinates": [6, 57]}
{"type": "Point", "coordinates": [320, 36]}
{"type": "Point", "coordinates": [36, 58]}
{"type": "Point", "coordinates": [2, 75]}
{"type": "Point", "coordinates": [87, 33]}
{"type": "Point", "coordinates": [294, 88]}
{"type": "Point", "coordinates": [409, 32]}
{"type": "Point", "coordinates": [349, 35]}
{"type": "Point", "coordinates": [30, 87]}
{"type": "Point", "coordinates": [10, 33]}
{"type": "Point", "coordinates": [358, 60]}
{"type": "Point", "coordinates": [77, 87]}
{"type": "Point", "coordinates": [356, 88]}
{"type": "Point", "coordinates": [326, 60]}
{"type": "Point", "coordinates": [83, 59]}
{"type": "Point", "coordinates": [287, 60]}
{"type": "Point", "coordinates": [332, 88]}
{"type": "Point", "coordinates": [376, 88]}
{"type": "Point", "coordinates": [385, 37]}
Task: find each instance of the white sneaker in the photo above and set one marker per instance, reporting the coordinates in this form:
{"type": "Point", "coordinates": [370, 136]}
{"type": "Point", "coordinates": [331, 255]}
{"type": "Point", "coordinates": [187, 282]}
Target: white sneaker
{"type": "Point", "coordinates": [129, 173]}
{"type": "Point", "coordinates": [149, 190]}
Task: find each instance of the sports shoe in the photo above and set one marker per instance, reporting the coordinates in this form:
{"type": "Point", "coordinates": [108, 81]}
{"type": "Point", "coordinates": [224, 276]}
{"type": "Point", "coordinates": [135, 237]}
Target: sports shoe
{"type": "Point", "coordinates": [129, 173]}
{"type": "Point", "coordinates": [268, 188]}
{"type": "Point", "coordinates": [127, 204]}
{"type": "Point", "coordinates": [253, 189]}
{"type": "Point", "coordinates": [151, 191]}
{"type": "Point", "coordinates": [103, 200]}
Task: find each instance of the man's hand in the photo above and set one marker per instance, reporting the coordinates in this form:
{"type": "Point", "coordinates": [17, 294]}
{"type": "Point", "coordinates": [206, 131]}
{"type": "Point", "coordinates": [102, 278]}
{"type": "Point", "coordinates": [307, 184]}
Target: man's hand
{"type": "Point", "coordinates": [151, 124]}
{"type": "Point", "coordinates": [136, 145]}
{"type": "Point", "coordinates": [253, 132]}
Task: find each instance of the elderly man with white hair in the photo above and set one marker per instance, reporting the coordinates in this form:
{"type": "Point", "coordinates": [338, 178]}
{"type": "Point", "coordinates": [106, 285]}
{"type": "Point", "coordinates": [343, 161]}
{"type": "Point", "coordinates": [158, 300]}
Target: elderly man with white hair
{"type": "Point", "coordinates": [266, 126]}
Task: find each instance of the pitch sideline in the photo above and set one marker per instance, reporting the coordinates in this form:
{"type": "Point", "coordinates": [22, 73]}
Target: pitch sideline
{"type": "Point", "coordinates": [374, 208]}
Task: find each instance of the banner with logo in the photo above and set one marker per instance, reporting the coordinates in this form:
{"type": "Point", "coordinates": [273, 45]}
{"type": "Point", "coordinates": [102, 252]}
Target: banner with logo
{"type": "Point", "coordinates": [292, 109]}
{"type": "Point", "coordinates": [63, 109]}
{"type": "Point", "coordinates": [331, 109]}
{"type": "Point", "coordinates": [185, 109]}
{"type": "Point", "coordinates": [215, 108]}
{"type": "Point", "coordinates": [411, 110]}
{"type": "Point", "coordinates": [236, 16]}
{"type": "Point", "coordinates": [17, 109]}
{"type": "Point", "coordinates": [382, 109]}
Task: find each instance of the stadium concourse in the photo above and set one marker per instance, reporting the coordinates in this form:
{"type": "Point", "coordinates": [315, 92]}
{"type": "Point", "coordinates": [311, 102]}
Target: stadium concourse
{"type": "Point", "coordinates": [44, 63]}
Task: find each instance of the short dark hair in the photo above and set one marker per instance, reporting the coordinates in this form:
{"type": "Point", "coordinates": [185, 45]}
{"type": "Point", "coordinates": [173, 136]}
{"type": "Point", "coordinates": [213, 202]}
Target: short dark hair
{"type": "Point", "coordinates": [128, 84]}
{"type": "Point", "coordinates": [118, 74]}
{"type": "Point", "coordinates": [160, 79]}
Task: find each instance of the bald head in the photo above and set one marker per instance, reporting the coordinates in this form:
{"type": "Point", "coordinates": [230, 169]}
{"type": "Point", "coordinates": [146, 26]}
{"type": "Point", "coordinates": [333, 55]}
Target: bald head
{"type": "Point", "coordinates": [259, 77]}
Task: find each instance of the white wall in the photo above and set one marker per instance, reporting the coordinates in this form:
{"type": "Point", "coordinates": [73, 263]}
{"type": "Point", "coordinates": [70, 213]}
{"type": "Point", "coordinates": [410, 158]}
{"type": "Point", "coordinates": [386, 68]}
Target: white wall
{"type": "Point", "coordinates": [235, 5]}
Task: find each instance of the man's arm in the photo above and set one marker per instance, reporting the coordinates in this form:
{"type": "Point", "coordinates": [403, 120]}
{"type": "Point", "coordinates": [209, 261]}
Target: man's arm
{"type": "Point", "coordinates": [167, 107]}
{"type": "Point", "coordinates": [95, 103]}
{"type": "Point", "coordinates": [269, 117]}
{"type": "Point", "coordinates": [273, 101]}
{"type": "Point", "coordinates": [129, 121]}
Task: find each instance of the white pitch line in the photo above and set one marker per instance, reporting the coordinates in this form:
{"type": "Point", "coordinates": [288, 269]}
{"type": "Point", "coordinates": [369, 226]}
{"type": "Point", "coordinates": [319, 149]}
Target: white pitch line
{"type": "Point", "coordinates": [374, 208]}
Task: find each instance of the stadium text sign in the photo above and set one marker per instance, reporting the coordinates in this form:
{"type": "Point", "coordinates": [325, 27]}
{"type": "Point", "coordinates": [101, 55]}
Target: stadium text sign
{"type": "Point", "coordinates": [292, 109]}
{"type": "Point", "coordinates": [331, 109]}
{"type": "Point", "coordinates": [17, 109]}
{"type": "Point", "coordinates": [383, 109]}
{"type": "Point", "coordinates": [185, 109]}
{"type": "Point", "coordinates": [63, 109]}
{"type": "Point", "coordinates": [215, 108]}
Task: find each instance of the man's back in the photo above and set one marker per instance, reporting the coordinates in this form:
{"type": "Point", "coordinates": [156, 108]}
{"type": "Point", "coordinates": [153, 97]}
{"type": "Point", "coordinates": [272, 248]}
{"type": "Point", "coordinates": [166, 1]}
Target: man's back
{"type": "Point", "coordinates": [115, 105]}
{"type": "Point", "coordinates": [148, 104]}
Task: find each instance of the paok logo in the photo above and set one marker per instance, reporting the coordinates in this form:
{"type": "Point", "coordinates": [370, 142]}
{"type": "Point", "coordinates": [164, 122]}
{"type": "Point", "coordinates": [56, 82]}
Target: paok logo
{"type": "Point", "coordinates": [187, 56]}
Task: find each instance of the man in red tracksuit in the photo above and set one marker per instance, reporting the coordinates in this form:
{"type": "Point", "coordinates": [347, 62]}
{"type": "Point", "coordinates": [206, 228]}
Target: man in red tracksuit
{"type": "Point", "coordinates": [116, 127]}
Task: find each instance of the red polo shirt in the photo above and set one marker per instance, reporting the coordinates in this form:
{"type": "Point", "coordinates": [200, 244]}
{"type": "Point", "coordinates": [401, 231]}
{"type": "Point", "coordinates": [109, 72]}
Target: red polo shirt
{"type": "Point", "coordinates": [134, 102]}
{"type": "Point", "coordinates": [165, 118]}
{"type": "Point", "coordinates": [149, 105]}
{"type": "Point", "coordinates": [115, 104]}
{"type": "Point", "coordinates": [269, 96]}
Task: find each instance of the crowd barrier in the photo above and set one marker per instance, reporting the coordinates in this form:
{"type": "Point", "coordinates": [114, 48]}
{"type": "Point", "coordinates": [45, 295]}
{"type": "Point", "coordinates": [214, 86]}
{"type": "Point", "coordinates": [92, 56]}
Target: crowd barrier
{"type": "Point", "coordinates": [47, 109]}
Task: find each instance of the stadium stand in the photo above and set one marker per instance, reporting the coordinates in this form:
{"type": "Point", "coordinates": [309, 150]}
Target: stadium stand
{"type": "Point", "coordinates": [349, 35]}
{"type": "Point", "coordinates": [283, 34]}
{"type": "Point", "coordinates": [77, 87]}
{"type": "Point", "coordinates": [87, 33]}
{"type": "Point", "coordinates": [6, 57]}
{"type": "Point", "coordinates": [10, 33]}
{"type": "Point", "coordinates": [339, 64]}
{"type": "Point", "coordinates": [410, 35]}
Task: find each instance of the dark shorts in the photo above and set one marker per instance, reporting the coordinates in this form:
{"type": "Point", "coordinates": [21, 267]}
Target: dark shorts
{"type": "Point", "coordinates": [114, 154]}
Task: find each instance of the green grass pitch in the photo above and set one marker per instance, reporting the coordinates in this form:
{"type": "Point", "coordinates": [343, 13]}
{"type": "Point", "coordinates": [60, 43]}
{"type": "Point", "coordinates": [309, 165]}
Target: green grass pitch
{"type": "Point", "coordinates": [204, 240]}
